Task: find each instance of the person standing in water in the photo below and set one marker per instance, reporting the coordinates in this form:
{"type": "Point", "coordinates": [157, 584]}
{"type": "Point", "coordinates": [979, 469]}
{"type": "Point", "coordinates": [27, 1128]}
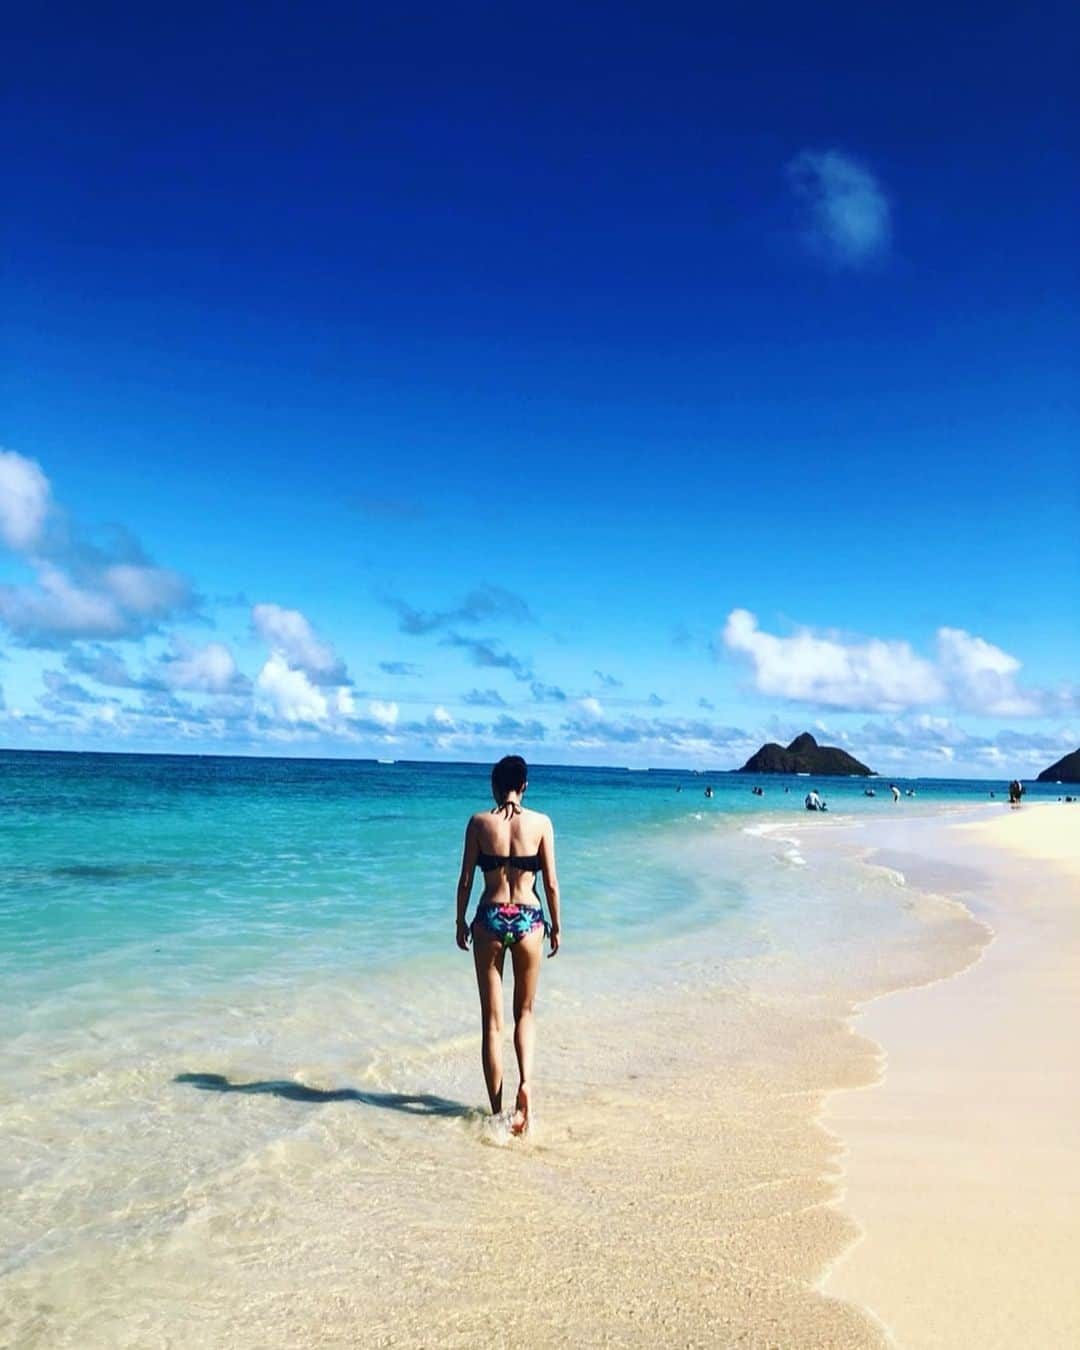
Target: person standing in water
{"type": "Point", "coordinates": [510, 844]}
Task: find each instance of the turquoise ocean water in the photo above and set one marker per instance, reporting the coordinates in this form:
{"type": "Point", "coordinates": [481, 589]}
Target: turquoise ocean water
{"type": "Point", "coordinates": [282, 930]}
{"type": "Point", "coordinates": [127, 872]}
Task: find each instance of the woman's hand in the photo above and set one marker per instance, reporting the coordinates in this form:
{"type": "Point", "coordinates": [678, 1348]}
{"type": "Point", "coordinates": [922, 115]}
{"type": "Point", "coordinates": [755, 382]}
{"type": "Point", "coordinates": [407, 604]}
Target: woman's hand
{"type": "Point", "coordinates": [553, 937]}
{"type": "Point", "coordinates": [463, 935]}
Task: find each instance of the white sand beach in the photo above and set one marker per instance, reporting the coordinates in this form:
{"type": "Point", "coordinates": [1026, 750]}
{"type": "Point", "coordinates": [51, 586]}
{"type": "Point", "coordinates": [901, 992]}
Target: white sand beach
{"type": "Point", "coordinates": [962, 1166]}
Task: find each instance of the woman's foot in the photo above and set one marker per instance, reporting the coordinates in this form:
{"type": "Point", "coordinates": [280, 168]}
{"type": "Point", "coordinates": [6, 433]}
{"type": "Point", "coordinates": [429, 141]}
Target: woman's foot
{"type": "Point", "coordinates": [519, 1122]}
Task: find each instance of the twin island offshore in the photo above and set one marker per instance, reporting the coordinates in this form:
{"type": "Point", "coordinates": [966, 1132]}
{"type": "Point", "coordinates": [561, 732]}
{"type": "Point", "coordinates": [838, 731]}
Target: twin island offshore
{"type": "Point", "coordinates": [805, 756]}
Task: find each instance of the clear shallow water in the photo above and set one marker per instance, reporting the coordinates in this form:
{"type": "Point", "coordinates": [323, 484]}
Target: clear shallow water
{"type": "Point", "coordinates": [172, 926]}
{"type": "Point", "coordinates": [169, 876]}
{"type": "Point", "coordinates": [225, 866]}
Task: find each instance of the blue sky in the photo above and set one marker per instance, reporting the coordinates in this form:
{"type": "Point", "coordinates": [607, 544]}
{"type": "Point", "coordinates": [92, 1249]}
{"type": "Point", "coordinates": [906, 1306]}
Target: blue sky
{"type": "Point", "coordinates": [620, 386]}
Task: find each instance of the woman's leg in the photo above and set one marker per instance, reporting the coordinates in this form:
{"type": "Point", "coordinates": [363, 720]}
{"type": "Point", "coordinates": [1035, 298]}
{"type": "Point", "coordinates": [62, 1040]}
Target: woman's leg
{"type": "Point", "coordinates": [488, 955]}
{"type": "Point", "coordinates": [527, 956]}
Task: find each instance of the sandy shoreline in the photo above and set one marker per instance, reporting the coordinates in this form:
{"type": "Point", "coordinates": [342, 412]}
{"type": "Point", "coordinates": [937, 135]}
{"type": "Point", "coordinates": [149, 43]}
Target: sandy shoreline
{"type": "Point", "coordinates": [679, 1189]}
{"type": "Point", "coordinates": [961, 1166]}
{"type": "Point", "coordinates": [698, 1166]}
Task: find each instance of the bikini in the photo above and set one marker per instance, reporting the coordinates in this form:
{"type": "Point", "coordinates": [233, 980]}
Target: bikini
{"type": "Point", "coordinates": [511, 922]}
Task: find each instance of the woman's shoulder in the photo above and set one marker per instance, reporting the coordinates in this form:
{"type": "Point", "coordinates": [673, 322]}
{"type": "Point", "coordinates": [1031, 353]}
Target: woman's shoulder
{"type": "Point", "coordinates": [537, 817]}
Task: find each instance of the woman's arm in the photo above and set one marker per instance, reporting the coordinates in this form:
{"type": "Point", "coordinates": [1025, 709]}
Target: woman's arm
{"type": "Point", "coordinates": [464, 886]}
{"type": "Point", "coordinates": [551, 881]}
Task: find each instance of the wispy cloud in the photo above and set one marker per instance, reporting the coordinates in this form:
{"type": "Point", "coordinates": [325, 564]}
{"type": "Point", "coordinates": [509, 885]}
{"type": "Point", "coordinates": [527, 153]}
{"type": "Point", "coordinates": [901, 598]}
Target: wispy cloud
{"type": "Point", "coordinates": [60, 688]}
{"type": "Point", "coordinates": [105, 666]}
{"type": "Point", "coordinates": [942, 744]}
{"type": "Point", "coordinates": [846, 214]}
{"type": "Point", "coordinates": [547, 693]}
{"type": "Point", "coordinates": [409, 668]}
{"type": "Point", "coordinates": [483, 698]}
{"type": "Point", "coordinates": [592, 729]}
{"type": "Point", "coordinates": [482, 605]}
{"type": "Point", "coordinates": [508, 728]}
{"type": "Point", "coordinates": [488, 655]}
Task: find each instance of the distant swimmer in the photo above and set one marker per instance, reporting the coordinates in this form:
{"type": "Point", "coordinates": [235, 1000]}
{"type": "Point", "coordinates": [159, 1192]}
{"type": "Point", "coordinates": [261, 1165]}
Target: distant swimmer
{"type": "Point", "coordinates": [869, 792]}
{"type": "Point", "coordinates": [911, 793]}
{"type": "Point", "coordinates": [758, 792]}
{"type": "Point", "coordinates": [813, 802]}
{"type": "Point", "coordinates": [1016, 791]}
{"type": "Point", "coordinates": [708, 792]}
{"type": "Point", "coordinates": [678, 787]}
{"type": "Point", "coordinates": [895, 792]}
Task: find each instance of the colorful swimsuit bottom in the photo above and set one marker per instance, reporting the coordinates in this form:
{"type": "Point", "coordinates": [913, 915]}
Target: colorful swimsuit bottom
{"type": "Point", "coordinates": [511, 922]}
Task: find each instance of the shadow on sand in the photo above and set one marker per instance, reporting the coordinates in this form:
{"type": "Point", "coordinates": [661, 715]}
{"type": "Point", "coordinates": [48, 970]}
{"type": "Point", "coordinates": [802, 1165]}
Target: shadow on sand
{"type": "Point", "coordinates": [423, 1104]}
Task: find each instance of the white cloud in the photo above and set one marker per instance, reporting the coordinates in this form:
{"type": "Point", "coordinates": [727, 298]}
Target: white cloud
{"type": "Point", "coordinates": [122, 601]}
{"type": "Point", "coordinates": [150, 592]}
{"type": "Point", "coordinates": [386, 714]}
{"type": "Point", "coordinates": [847, 212]}
{"type": "Point", "coordinates": [209, 670]}
{"type": "Point", "coordinates": [59, 608]}
{"type": "Point", "coordinates": [872, 674]}
{"type": "Point", "coordinates": [288, 631]}
{"type": "Point", "coordinates": [981, 676]}
{"type": "Point", "coordinates": [24, 501]}
{"type": "Point", "coordinates": [344, 704]}
{"type": "Point", "coordinates": [287, 694]}
{"type": "Point", "coordinates": [592, 707]}
{"type": "Point", "coordinates": [82, 590]}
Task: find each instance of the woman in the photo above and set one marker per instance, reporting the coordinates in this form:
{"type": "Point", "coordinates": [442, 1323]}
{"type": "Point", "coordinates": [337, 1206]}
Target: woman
{"type": "Point", "coordinates": [509, 844]}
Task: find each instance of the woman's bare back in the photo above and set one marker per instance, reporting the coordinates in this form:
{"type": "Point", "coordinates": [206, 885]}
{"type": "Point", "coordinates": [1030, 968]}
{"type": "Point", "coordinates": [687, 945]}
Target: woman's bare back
{"type": "Point", "coordinates": [510, 833]}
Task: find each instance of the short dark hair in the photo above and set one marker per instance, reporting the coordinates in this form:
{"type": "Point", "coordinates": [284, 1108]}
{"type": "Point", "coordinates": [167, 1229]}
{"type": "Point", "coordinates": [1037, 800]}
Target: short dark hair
{"type": "Point", "coordinates": [509, 775]}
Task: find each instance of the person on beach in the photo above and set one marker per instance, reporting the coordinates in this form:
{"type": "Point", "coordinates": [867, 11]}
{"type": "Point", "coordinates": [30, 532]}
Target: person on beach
{"type": "Point", "coordinates": [510, 844]}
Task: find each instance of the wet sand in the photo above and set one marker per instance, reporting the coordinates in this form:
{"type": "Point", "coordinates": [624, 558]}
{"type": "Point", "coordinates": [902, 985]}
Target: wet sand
{"type": "Point", "coordinates": [679, 1188]}
{"type": "Point", "coordinates": [962, 1166]}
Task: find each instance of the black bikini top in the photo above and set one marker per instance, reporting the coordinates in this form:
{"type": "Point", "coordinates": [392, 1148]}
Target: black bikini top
{"type": "Point", "coordinates": [524, 862]}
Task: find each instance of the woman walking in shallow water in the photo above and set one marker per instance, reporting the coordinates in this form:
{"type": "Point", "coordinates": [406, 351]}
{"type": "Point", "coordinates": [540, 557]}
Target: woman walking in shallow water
{"type": "Point", "coordinates": [509, 844]}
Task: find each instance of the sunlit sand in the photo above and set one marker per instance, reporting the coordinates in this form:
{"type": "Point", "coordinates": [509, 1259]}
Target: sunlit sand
{"type": "Point", "coordinates": [962, 1165]}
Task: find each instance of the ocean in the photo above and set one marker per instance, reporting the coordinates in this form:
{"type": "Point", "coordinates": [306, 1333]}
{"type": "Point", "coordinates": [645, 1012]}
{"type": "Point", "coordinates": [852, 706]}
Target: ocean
{"type": "Point", "coordinates": [230, 985]}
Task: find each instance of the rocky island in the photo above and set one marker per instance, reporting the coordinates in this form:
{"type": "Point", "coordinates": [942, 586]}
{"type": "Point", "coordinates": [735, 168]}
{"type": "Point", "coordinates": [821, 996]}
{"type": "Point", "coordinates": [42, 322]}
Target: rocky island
{"type": "Point", "coordinates": [1066, 770]}
{"type": "Point", "coordinates": [804, 755]}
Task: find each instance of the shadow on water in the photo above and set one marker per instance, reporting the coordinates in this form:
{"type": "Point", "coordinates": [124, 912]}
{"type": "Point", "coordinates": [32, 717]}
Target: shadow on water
{"type": "Point", "coordinates": [422, 1104]}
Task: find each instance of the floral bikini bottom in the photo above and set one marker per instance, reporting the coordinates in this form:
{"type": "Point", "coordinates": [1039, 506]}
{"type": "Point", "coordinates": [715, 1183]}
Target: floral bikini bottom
{"type": "Point", "coordinates": [511, 922]}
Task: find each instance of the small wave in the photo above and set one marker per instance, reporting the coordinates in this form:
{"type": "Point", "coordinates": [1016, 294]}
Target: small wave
{"type": "Point", "coordinates": [495, 1130]}
{"type": "Point", "coordinates": [893, 874]}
